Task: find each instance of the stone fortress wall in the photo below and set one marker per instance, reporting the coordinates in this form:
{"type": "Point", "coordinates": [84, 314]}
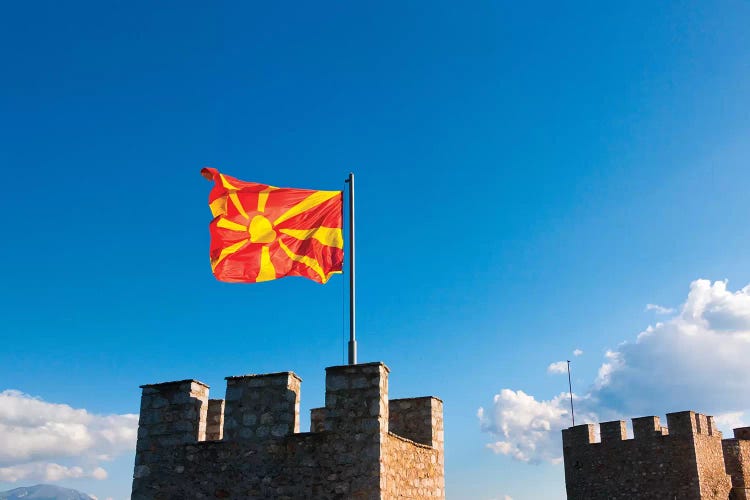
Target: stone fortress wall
{"type": "Point", "coordinates": [360, 444]}
{"type": "Point", "coordinates": [687, 460]}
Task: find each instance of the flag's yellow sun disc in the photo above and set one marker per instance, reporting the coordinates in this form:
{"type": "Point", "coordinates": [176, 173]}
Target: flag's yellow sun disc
{"type": "Point", "coordinates": [261, 230]}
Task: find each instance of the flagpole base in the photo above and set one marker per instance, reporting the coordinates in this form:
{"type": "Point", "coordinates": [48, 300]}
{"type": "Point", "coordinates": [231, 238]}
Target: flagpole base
{"type": "Point", "coordinates": [352, 352]}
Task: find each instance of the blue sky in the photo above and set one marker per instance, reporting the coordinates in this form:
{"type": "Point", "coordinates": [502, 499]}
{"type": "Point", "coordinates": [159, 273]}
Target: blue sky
{"type": "Point", "coordinates": [529, 178]}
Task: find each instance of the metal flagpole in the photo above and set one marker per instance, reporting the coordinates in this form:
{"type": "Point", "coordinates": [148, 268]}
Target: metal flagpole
{"type": "Point", "coordinates": [352, 330]}
{"type": "Point", "coordinates": [570, 387]}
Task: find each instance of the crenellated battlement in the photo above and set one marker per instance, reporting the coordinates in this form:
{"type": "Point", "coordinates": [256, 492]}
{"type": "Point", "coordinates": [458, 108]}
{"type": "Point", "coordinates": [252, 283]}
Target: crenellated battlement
{"type": "Point", "coordinates": [685, 423]}
{"type": "Point", "coordinates": [249, 445]}
{"type": "Point", "coordinates": [682, 460]}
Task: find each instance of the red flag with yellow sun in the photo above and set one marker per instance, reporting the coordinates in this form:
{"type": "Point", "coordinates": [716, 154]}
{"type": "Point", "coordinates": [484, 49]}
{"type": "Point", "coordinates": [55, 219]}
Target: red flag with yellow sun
{"type": "Point", "coordinates": [260, 232]}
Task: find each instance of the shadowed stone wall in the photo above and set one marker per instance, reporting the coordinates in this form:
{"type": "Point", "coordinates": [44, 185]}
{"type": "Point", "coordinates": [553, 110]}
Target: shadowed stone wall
{"type": "Point", "coordinates": [737, 460]}
{"type": "Point", "coordinates": [215, 420]}
{"type": "Point", "coordinates": [259, 452]}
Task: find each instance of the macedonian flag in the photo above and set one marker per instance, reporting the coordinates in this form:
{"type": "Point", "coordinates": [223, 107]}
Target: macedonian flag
{"type": "Point", "coordinates": [261, 232]}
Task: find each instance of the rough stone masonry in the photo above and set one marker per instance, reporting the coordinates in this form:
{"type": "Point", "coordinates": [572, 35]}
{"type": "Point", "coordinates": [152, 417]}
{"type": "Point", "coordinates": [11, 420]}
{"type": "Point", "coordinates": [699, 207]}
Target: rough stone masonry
{"type": "Point", "coordinates": [248, 446]}
{"type": "Point", "coordinates": [687, 460]}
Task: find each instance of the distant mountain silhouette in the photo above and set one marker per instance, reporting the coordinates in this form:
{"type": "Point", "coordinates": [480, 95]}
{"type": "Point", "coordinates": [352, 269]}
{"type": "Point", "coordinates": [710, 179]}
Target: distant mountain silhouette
{"type": "Point", "coordinates": [43, 492]}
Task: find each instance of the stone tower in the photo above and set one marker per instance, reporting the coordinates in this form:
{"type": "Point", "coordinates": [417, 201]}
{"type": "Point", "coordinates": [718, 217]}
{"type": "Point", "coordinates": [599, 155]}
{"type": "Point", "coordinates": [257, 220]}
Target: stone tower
{"type": "Point", "coordinates": [360, 445]}
{"type": "Point", "coordinates": [687, 460]}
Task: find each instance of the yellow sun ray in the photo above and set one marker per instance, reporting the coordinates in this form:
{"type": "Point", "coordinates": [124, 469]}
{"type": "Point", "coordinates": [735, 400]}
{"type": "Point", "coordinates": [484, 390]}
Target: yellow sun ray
{"type": "Point", "coordinates": [226, 183]}
{"type": "Point", "coordinates": [232, 226]}
{"type": "Point", "coordinates": [304, 259]}
{"type": "Point", "coordinates": [267, 271]}
{"type": "Point", "coordinates": [238, 205]}
{"type": "Point", "coordinates": [228, 251]}
{"type": "Point", "coordinates": [263, 198]}
{"type": "Point", "coordinates": [313, 200]}
{"type": "Point", "coordinates": [330, 236]}
{"type": "Point", "coordinates": [218, 206]}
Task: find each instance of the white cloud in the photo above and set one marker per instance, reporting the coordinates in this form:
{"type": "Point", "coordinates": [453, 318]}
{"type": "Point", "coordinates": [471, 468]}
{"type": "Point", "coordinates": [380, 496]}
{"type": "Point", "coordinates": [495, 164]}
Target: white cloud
{"type": "Point", "coordinates": [523, 426]}
{"type": "Point", "coordinates": [659, 309]}
{"type": "Point", "coordinates": [39, 471]}
{"type": "Point", "coordinates": [99, 473]}
{"type": "Point", "coordinates": [558, 367]}
{"type": "Point", "coordinates": [727, 422]}
{"type": "Point", "coordinates": [35, 435]}
{"type": "Point", "coordinates": [694, 360]}
{"type": "Point", "coordinates": [577, 352]}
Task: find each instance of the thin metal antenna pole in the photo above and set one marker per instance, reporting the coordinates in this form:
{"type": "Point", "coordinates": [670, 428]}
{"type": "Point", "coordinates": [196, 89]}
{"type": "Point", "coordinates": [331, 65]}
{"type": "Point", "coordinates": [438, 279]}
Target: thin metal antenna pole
{"type": "Point", "coordinates": [352, 324]}
{"type": "Point", "coordinates": [570, 387]}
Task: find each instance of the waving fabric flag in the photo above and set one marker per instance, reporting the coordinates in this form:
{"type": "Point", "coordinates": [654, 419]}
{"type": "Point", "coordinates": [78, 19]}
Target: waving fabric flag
{"type": "Point", "coordinates": [260, 232]}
